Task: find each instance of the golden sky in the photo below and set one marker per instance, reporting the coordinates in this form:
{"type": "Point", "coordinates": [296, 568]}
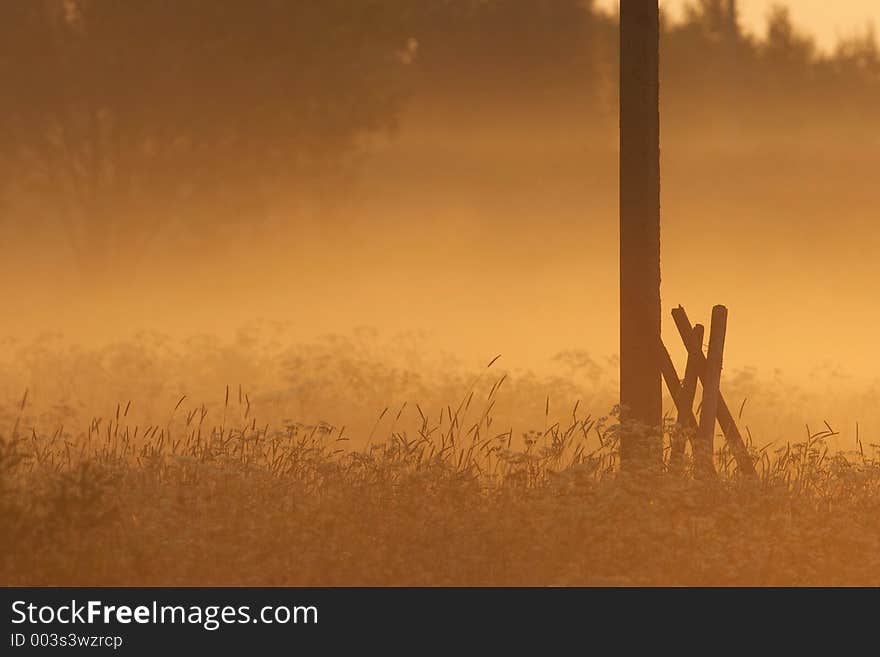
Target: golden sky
{"type": "Point", "coordinates": [827, 20]}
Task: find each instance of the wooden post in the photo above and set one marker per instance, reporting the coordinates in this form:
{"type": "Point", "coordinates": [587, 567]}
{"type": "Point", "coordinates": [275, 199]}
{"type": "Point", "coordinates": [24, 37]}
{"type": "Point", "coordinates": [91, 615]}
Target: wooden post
{"type": "Point", "coordinates": [704, 444]}
{"type": "Point", "coordinates": [732, 19]}
{"type": "Point", "coordinates": [685, 402]}
{"type": "Point", "coordinates": [641, 443]}
{"type": "Point", "coordinates": [685, 411]}
{"type": "Point", "coordinates": [692, 369]}
{"type": "Point", "coordinates": [675, 389]}
{"type": "Point", "coordinates": [725, 418]}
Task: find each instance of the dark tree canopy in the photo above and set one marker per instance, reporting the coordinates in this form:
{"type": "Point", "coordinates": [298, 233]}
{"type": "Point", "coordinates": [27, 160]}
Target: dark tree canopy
{"type": "Point", "coordinates": [121, 118]}
{"type": "Point", "coordinates": [143, 110]}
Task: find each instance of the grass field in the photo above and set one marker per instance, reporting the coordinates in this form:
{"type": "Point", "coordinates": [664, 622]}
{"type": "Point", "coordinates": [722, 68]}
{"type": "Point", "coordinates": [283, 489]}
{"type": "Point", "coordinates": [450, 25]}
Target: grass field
{"type": "Point", "coordinates": [446, 498]}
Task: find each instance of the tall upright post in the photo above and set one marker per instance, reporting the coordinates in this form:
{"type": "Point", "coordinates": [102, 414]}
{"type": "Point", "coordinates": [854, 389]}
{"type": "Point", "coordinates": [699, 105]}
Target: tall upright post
{"type": "Point", "coordinates": [732, 18]}
{"type": "Point", "coordinates": [641, 442]}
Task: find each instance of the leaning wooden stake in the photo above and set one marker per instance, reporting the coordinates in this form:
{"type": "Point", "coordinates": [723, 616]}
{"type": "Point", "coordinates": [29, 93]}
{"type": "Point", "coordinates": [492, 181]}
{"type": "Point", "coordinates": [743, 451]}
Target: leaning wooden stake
{"type": "Point", "coordinates": [692, 370]}
{"type": "Point", "coordinates": [684, 399]}
{"type": "Point", "coordinates": [704, 443]}
{"type": "Point", "coordinates": [670, 376]}
{"type": "Point", "coordinates": [725, 418]}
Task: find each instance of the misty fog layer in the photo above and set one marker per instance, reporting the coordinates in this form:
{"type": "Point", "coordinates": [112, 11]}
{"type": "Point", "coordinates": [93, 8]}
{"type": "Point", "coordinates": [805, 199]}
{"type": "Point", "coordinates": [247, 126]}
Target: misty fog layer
{"type": "Point", "coordinates": [446, 171]}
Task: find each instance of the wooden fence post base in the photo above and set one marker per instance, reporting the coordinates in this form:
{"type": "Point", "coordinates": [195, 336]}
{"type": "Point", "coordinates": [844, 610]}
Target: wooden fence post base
{"type": "Point", "coordinates": [714, 406]}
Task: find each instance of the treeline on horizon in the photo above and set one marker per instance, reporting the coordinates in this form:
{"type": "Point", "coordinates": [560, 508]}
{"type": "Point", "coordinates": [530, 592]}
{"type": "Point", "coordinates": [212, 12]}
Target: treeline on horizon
{"type": "Point", "coordinates": [124, 118]}
{"type": "Point", "coordinates": [715, 76]}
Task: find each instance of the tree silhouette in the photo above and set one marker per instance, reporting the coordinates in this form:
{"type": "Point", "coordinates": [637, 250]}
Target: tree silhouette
{"type": "Point", "coordinates": [119, 116]}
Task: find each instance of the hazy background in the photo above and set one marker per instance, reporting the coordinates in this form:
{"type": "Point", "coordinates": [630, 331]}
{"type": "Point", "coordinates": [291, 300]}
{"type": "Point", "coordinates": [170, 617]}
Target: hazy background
{"type": "Point", "coordinates": [450, 177]}
{"type": "Point", "coordinates": [827, 24]}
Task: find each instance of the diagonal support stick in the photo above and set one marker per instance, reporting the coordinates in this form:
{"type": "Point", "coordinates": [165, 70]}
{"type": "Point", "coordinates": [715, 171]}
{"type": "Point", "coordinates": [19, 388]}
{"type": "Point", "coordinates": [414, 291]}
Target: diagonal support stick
{"type": "Point", "coordinates": [670, 376]}
{"type": "Point", "coordinates": [683, 395]}
{"type": "Point", "coordinates": [691, 373]}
